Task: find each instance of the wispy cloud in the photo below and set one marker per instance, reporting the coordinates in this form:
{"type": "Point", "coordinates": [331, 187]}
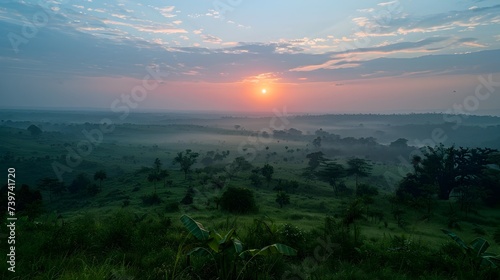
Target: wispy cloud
{"type": "Point", "coordinates": [167, 11]}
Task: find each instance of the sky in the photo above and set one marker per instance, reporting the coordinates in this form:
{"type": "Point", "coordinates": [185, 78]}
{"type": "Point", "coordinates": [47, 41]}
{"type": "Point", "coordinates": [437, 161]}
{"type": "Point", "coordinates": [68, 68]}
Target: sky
{"type": "Point", "coordinates": [252, 55]}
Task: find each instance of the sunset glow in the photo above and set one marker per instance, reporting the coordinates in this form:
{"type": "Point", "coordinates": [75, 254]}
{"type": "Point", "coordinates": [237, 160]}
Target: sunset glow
{"type": "Point", "coordinates": [370, 55]}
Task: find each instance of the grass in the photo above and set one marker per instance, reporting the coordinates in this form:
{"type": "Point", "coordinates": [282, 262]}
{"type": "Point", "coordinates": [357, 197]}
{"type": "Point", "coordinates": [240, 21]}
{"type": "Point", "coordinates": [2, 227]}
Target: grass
{"type": "Point", "coordinates": [155, 233]}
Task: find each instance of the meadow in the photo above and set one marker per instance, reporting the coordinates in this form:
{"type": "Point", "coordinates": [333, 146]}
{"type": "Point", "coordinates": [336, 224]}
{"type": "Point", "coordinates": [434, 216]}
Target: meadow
{"type": "Point", "coordinates": [128, 223]}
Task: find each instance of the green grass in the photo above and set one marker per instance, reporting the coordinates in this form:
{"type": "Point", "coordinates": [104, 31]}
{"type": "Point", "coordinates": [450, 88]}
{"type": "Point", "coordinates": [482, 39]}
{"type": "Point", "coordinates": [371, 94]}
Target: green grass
{"type": "Point", "coordinates": [153, 244]}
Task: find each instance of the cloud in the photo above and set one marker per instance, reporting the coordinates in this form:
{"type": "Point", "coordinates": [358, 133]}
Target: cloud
{"type": "Point", "coordinates": [388, 20]}
{"type": "Point", "coordinates": [211, 39]}
{"type": "Point", "coordinates": [97, 49]}
{"type": "Point", "coordinates": [383, 4]}
{"type": "Point", "coordinates": [166, 11]}
{"type": "Point", "coordinates": [161, 30]}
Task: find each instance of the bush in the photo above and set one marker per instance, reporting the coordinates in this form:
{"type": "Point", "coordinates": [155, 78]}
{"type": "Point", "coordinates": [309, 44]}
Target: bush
{"type": "Point", "coordinates": [238, 200]}
{"type": "Point", "coordinates": [188, 198]}
{"type": "Point", "coordinates": [366, 190]}
{"type": "Point", "coordinates": [151, 199]}
{"type": "Point", "coordinates": [172, 206]}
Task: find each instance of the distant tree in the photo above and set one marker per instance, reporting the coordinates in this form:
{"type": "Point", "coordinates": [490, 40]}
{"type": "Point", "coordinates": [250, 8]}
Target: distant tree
{"type": "Point", "coordinates": [242, 164]}
{"type": "Point", "coordinates": [34, 130]}
{"type": "Point", "coordinates": [100, 175]}
{"type": "Point", "coordinates": [52, 185]}
{"type": "Point", "coordinates": [416, 160]}
{"type": "Point", "coordinates": [315, 159]}
{"type": "Point", "coordinates": [189, 197]}
{"type": "Point", "coordinates": [29, 202]}
{"type": "Point", "coordinates": [218, 182]}
{"type": "Point", "coordinates": [255, 178]}
{"type": "Point", "coordinates": [282, 198]}
{"type": "Point", "coordinates": [491, 181]}
{"type": "Point", "coordinates": [206, 161]}
{"type": "Point", "coordinates": [81, 181]}
{"type": "Point", "coordinates": [366, 190]}
{"type": "Point", "coordinates": [267, 171]}
{"type": "Point", "coordinates": [154, 178]}
{"type": "Point", "coordinates": [186, 160]}
{"type": "Point", "coordinates": [399, 143]}
{"type": "Point", "coordinates": [93, 189]}
{"type": "Point", "coordinates": [317, 142]}
{"type": "Point", "coordinates": [358, 167]}
{"type": "Point", "coordinates": [163, 175]}
{"type": "Point", "coordinates": [238, 200]}
{"type": "Point", "coordinates": [157, 174]}
{"type": "Point", "coordinates": [451, 168]}
{"type": "Point", "coordinates": [333, 173]}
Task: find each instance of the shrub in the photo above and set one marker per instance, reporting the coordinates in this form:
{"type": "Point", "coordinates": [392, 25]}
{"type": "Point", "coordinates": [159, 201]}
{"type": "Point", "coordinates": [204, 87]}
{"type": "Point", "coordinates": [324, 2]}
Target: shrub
{"type": "Point", "coordinates": [172, 206]}
{"type": "Point", "coordinates": [151, 199]}
{"type": "Point", "coordinates": [366, 190]}
{"type": "Point", "coordinates": [188, 198]}
{"type": "Point", "coordinates": [238, 200]}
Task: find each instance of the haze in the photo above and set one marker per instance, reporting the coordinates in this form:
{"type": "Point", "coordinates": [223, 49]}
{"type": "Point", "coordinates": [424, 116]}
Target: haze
{"type": "Point", "coordinates": [326, 56]}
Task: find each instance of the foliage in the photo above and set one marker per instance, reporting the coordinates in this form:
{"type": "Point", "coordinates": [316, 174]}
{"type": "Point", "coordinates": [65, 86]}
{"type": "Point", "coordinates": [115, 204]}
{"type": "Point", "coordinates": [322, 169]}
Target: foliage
{"type": "Point", "coordinates": [188, 197]}
{"type": "Point", "coordinates": [359, 168]}
{"type": "Point", "coordinates": [452, 168]}
{"type": "Point", "coordinates": [34, 130]}
{"type": "Point", "coordinates": [333, 173]}
{"type": "Point", "coordinates": [282, 198]}
{"type": "Point", "coordinates": [28, 202]}
{"type": "Point", "coordinates": [366, 190]}
{"type": "Point", "coordinates": [267, 171]}
{"type": "Point", "coordinates": [93, 189]}
{"type": "Point", "coordinates": [255, 178]}
{"type": "Point", "coordinates": [52, 185]}
{"type": "Point", "coordinates": [399, 143]}
{"type": "Point", "coordinates": [227, 250]}
{"type": "Point", "coordinates": [100, 175]}
{"type": "Point", "coordinates": [475, 252]}
{"type": "Point", "coordinates": [157, 174]}
{"type": "Point", "coordinates": [186, 160]}
{"type": "Point", "coordinates": [315, 159]}
{"type": "Point", "coordinates": [238, 200]}
{"type": "Point", "coordinates": [151, 199]}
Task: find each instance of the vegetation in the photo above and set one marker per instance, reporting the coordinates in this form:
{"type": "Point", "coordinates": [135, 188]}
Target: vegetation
{"type": "Point", "coordinates": [348, 206]}
{"type": "Point", "coordinates": [238, 200]}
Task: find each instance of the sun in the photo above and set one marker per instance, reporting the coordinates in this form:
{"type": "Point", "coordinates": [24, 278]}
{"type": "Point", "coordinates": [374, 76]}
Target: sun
{"type": "Point", "coordinates": [263, 91]}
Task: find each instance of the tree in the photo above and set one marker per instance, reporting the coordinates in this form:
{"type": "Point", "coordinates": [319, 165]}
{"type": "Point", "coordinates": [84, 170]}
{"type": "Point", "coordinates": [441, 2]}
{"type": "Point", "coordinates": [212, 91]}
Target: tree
{"type": "Point", "coordinates": [186, 160]}
{"type": "Point", "coordinates": [315, 159]}
{"type": "Point", "coordinates": [416, 161]}
{"type": "Point", "coordinates": [333, 173]}
{"type": "Point", "coordinates": [359, 168]}
{"type": "Point", "coordinates": [255, 178]}
{"type": "Point", "coordinates": [267, 171]}
{"type": "Point", "coordinates": [317, 142]}
{"type": "Point", "coordinates": [154, 177]}
{"type": "Point", "coordinates": [29, 202]}
{"type": "Point", "coordinates": [451, 168]}
{"type": "Point", "coordinates": [52, 185]}
{"type": "Point", "coordinates": [163, 175]}
{"type": "Point", "coordinates": [34, 130]}
{"type": "Point", "coordinates": [282, 198]}
{"type": "Point", "coordinates": [238, 200]}
{"type": "Point", "coordinates": [400, 143]}
{"type": "Point", "coordinates": [80, 183]}
{"type": "Point", "coordinates": [157, 174]}
{"type": "Point", "coordinates": [100, 175]}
